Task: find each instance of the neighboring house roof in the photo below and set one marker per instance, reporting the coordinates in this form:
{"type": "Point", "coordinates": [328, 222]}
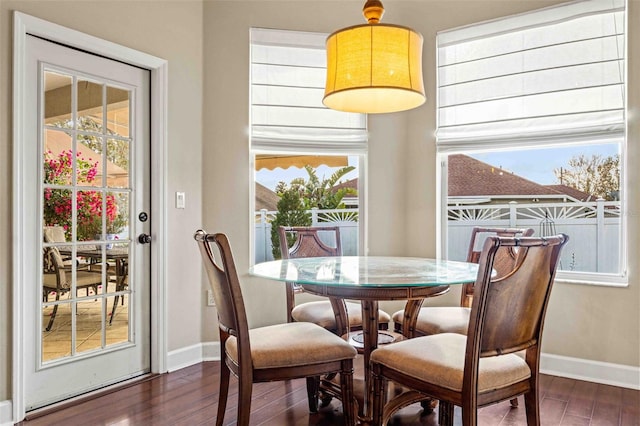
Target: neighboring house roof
{"type": "Point", "coordinates": [573, 192]}
{"type": "Point", "coordinates": [353, 183]}
{"type": "Point", "coordinates": [469, 177]}
{"type": "Point", "coordinates": [266, 198]}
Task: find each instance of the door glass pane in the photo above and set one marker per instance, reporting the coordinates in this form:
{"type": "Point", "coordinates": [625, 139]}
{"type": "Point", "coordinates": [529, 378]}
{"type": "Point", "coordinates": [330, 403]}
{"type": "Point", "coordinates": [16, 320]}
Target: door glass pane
{"type": "Point", "coordinates": [90, 112]}
{"type": "Point", "coordinates": [89, 325]}
{"type": "Point", "coordinates": [118, 330]}
{"type": "Point", "coordinates": [117, 163]}
{"type": "Point", "coordinates": [57, 100]}
{"type": "Point", "coordinates": [118, 111]}
{"type": "Point", "coordinates": [86, 210]}
{"type": "Point", "coordinates": [89, 168]}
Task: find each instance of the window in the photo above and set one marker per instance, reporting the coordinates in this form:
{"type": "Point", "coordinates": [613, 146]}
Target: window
{"type": "Point", "coordinates": [291, 129]}
{"type": "Point", "coordinates": [531, 131]}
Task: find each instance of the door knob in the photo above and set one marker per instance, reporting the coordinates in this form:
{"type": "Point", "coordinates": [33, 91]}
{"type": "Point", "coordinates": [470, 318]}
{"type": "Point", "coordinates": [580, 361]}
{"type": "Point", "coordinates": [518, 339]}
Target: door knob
{"type": "Point", "coordinates": [144, 238]}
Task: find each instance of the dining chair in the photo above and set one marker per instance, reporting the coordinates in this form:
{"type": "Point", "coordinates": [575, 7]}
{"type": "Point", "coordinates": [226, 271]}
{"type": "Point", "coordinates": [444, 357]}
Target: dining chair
{"type": "Point", "coordinates": [277, 352]}
{"type": "Point", "coordinates": [301, 241]}
{"type": "Point", "coordinates": [481, 368]}
{"type": "Point", "coordinates": [455, 319]}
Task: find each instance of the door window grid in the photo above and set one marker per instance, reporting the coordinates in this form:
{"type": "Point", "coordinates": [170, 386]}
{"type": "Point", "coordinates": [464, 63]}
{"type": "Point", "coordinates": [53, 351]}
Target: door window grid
{"type": "Point", "coordinates": [98, 296]}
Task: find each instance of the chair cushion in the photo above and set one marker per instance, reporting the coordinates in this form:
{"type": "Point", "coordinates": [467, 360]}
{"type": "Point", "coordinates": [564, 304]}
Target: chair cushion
{"type": "Point", "coordinates": [292, 344]}
{"type": "Point", "coordinates": [439, 359]}
{"type": "Point", "coordinates": [435, 320]}
{"type": "Point", "coordinates": [322, 314]}
{"type": "Point", "coordinates": [447, 319]}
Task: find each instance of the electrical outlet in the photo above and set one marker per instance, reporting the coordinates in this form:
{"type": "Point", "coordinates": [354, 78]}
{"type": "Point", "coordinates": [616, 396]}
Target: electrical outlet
{"type": "Point", "coordinates": [210, 301]}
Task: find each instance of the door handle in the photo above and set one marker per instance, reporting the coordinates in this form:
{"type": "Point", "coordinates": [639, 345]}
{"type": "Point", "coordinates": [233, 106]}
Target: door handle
{"type": "Point", "coordinates": [144, 238]}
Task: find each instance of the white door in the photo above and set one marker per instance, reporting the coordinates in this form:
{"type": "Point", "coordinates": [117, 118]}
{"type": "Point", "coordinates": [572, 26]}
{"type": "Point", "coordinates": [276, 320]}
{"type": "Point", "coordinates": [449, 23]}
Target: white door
{"type": "Point", "coordinates": [87, 296]}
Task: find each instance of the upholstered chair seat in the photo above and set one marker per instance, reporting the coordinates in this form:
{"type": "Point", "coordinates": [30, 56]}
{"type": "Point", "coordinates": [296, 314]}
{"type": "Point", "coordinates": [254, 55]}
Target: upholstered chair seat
{"type": "Point", "coordinates": [321, 313]}
{"type": "Point", "coordinates": [440, 359]}
{"type": "Point", "coordinates": [267, 350]}
{"type": "Point", "coordinates": [440, 319]}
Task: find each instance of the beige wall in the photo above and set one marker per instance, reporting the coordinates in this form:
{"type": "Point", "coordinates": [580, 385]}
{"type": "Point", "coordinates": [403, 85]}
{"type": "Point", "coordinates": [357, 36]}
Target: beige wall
{"type": "Point", "coordinates": [207, 46]}
{"type": "Point", "coordinates": [169, 30]}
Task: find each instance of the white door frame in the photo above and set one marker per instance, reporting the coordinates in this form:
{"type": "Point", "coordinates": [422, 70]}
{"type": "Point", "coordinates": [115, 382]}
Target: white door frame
{"type": "Point", "coordinates": [26, 24]}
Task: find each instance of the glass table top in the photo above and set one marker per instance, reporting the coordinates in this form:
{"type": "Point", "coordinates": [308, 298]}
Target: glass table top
{"type": "Point", "coordinates": [368, 271]}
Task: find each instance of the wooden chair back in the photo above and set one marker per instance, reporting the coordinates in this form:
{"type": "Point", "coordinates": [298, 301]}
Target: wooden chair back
{"type": "Point", "coordinates": [303, 241]}
{"type": "Point", "coordinates": [504, 260]}
{"type": "Point", "coordinates": [227, 294]}
{"type": "Point", "coordinates": [508, 312]}
{"type": "Point", "coordinates": [307, 242]}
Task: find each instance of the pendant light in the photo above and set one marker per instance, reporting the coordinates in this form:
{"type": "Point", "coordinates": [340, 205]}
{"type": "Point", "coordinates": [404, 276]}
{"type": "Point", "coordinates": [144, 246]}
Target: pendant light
{"type": "Point", "coordinates": [374, 67]}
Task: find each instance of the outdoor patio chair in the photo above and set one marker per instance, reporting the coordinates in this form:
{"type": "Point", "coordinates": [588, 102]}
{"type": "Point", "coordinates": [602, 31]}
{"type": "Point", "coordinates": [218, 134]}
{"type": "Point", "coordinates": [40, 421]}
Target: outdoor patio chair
{"type": "Point", "coordinates": [57, 277]}
{"type": "Point", "coordinates": [278, 352]}
{"type": "Point", "coordinates": [481, 368]}
{"type": "Point", "coordinates": [300, 241]}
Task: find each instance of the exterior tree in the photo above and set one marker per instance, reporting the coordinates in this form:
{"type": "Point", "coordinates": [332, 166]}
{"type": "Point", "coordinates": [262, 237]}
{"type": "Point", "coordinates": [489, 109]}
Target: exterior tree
{"type": "Point", "coordinates": [596, 175]}
{"type": "Point", "coordinates": [322, 193]}
{"type": "Point", "coordinates": [291, 212]}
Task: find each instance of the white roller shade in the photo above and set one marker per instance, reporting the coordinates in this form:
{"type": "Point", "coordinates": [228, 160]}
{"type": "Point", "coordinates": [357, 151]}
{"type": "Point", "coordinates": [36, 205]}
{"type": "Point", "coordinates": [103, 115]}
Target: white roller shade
{"type": "Point", "coordinates": [557, 73]}
{"type": "Point", "coordinates": [287, 86]}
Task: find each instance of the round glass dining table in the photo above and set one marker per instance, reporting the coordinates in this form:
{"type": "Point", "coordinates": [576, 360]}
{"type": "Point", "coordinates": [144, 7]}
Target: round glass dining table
{"type": "Point", "coordinates": [370, 279]}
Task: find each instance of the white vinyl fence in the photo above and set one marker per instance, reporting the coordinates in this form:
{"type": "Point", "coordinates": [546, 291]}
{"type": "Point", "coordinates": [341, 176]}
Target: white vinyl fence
{"type": "Point", "coordinates": [593, 228]}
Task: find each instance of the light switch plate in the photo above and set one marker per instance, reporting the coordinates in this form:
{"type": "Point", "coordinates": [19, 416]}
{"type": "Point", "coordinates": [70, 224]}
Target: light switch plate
{"type": "Point", "coordinates": [180, 202]}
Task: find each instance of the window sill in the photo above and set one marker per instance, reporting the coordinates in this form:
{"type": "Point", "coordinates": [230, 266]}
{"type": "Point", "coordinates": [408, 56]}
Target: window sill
{"type": "Point", "coordinates": [601, 280]}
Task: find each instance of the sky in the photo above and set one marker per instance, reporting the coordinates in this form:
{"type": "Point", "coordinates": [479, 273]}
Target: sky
{"type": "Point", "coordinates": [535, 165]}
{"type": "Point", "coordinates": [538, 165]}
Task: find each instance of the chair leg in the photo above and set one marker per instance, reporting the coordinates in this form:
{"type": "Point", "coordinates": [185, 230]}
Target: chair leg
{"type": "Point", "coordinates": [514, 402]}
{"type": "Point", "coordinates": [445, 413]}
{"type": "Point", "coordinates": [113, 309]}
{"type": "Point", "coordinates": [53, 313]}
{"type": "Point", "coordinates": [52, 317]}
{"type": "Point", "coordinates": [245, 386]}
{"type": "Point", "coordinates": [313, 388]}
{"type": "Point", "coordinates": [378, 398]}
{"type": "Point", "coordinates": [532, 407]}
{"type": "Point", "coordinates": [428, 405]}
{"type": "Point", "coordinates": [223, 392]}
{"type": "Point", "coordinates": [346, 388]}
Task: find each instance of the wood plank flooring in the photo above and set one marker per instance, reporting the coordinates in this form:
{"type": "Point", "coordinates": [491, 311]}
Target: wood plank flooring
{"type": "Point", "coordinates": [189, 397]}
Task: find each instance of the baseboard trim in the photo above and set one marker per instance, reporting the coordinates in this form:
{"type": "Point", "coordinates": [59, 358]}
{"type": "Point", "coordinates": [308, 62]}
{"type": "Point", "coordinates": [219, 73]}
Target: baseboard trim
{"type": "Point", "coordinates": [194, 354]}
{"type": "Point", "coordinates": [624, 376]}
{"type": "Point", "coordinates": [557, 365]}
{"type": "Point", "coordinates": [6, 413]}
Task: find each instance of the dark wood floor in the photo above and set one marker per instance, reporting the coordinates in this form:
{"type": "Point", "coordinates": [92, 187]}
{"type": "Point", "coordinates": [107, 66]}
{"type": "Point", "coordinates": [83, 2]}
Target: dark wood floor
{"type": "Point", "coordinates": [189, 397]}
